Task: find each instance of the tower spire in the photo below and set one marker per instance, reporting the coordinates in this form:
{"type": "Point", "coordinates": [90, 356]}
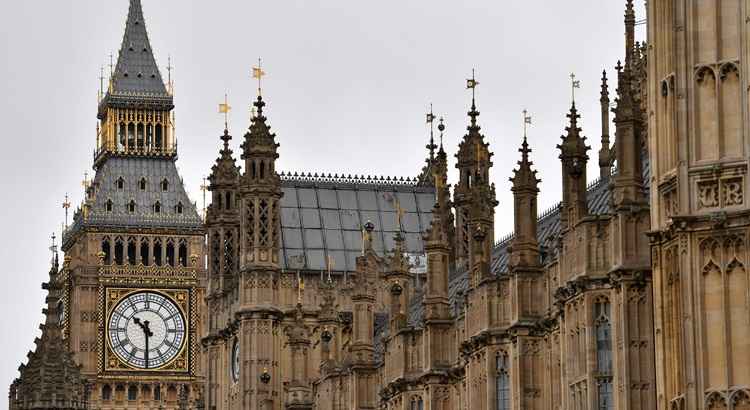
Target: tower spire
{"type": "Point", "coordinates": [629, 32]}
{"type": "Point", "coordinates": [605, 153]}
{"type": "Point", "coordinates": [573, 154]}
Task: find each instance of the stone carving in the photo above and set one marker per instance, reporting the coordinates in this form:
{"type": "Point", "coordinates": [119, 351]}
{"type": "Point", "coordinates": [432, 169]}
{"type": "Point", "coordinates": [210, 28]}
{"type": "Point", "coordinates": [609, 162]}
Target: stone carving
{"type": "Point", "coordinates": [708, 194]}
{"type": "Point", "coordinates": [732, 192]}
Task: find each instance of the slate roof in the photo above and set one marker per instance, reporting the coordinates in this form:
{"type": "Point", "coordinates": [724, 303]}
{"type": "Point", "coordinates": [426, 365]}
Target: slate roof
{"type": "Point", "coordinates": [136, 70]}
{"type": "Point", "coordinates": [132, 170]}
{"type": "Point", "coordinates": [323, 216]}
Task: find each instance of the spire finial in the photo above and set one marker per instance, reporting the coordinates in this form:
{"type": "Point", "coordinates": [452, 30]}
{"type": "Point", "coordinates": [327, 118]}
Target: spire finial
{"type": "Point", "coordinates": [573, 85]}
{"type": "Point", "coordinates": [441, 128]}
{"type": "Point", "coordinates": [258, 74]}
{"type": "Point", "coordinates": [169, 74]}
{"type": "Point", "coordinates": [53, 248]}
{"type": "Point", "coordinates": [472, 83]}
{"type": "Point", "coordinates": [629, 31]}
{"type": "Point", "coordinates": [526, 122]}
{"type": "Point", "coordinates": [66, 206]}
{"type": "Point", "coordinates": [431, 146]}
{"type": "Point", "coordinates": [224, 109]}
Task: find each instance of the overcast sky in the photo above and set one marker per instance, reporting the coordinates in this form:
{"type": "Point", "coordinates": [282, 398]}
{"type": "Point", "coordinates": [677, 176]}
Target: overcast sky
{"type": "Point", "coordinates": [348, 85]}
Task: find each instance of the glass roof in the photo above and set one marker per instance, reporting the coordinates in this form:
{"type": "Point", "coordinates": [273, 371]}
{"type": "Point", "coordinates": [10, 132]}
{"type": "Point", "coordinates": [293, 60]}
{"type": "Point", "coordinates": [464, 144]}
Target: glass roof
{"type": "Point", "coordinates": [323, 222]}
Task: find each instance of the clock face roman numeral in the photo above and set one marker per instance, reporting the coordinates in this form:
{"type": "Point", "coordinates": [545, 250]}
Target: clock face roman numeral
{"type": "Point", "coordinates": [146, 330]}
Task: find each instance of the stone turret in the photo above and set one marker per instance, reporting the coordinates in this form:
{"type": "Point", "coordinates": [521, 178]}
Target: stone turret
{"type": "Point", "coordinates": [525, 246]}
{"type": "Point", "coordinates": [574, 157]}
{"type": "Point", "coordinates": [50, 380]}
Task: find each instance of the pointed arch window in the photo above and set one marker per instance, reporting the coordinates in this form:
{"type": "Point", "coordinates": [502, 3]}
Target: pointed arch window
{"type": "Point", "coordinates": [228, 200]}
{"type": "Point", "coordinates": [603, 329]}
{"type": "Point", "coordinates": [182, 253]}
{"type": "Point", "coordinates": [178, 208]}
{"type": "Point", "coordinates": [120, 183]}
{"type": "Point", "coordinates": [106, 392]}
{"type": "Point", "coordinates": [142, 184]}
{"type": "Point", "coordinates": [131, 206]}
{"type": "Point", "coordinates": [502, 381]}
{"type": "Point", "coordinates": [144, 252]}
{"type": "Point", "coordinates": [157, 207]}
{"type": "Point", "coordinates": [109, 205]}
{"type": "Point", "coordinates": [165, 185]}
{"type": "Point", "coordinates": [119, 251]}
{"type": "Point", "coordinates": [158, 252]}
{"type": "Point", "coordinates": [107, 251]}
{"type": "Point", "coordinates": [131, 251]}
{"type": "Point", "coordinates": [132, 393]}
{"type": "Point", "coordinates": [170, 253]}
{"type": "Point", "coordinates": [417, 403]}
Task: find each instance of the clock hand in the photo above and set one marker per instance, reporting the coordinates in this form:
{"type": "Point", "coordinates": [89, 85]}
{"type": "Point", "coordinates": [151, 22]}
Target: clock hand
{"type": "Point", "coordinates": [146, 333]}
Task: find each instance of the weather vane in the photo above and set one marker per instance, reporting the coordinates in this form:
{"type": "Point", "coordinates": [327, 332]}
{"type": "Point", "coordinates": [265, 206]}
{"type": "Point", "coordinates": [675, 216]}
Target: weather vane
{"type": "Point", "coordinates": [66, 206]}
{"type": "Point", "coordinates": [472, 83]}
{"type": "Point", "coordinates": [258, 74]}
{"type": "Point", "coordinates": [204, 188]}
{"type": "Point", "coordinates": [574, 84]}
{"type": "Point", "coordinates": [526, 121]}
{"type": "Point", "coordinates": [224, 109]}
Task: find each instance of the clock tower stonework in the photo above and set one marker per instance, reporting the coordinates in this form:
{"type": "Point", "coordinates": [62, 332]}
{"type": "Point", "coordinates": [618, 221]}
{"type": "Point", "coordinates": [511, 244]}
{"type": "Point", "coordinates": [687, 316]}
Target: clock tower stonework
{"type": "Point", "coordinates": [133, 287]}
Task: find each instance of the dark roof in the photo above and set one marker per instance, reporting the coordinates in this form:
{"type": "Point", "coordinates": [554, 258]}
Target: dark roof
{"type": "Point", "coordinates": [136, 72]}
{"type": "Point", "coordinates": [155, 170]}
{"type": "Point", "coordinates": [323, 216]}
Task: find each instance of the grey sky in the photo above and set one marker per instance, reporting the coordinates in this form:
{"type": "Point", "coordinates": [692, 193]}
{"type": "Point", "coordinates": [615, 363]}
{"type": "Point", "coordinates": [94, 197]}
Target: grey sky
{"type": "Point", "coordinates": [348, 85]}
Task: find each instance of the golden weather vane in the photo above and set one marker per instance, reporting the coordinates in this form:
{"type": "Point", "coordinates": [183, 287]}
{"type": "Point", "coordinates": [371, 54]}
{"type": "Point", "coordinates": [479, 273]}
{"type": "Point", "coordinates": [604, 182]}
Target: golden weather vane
{"type": "Point", "coordinates": [526, 121]}
{"type": "Point", "coordinates": [224, 109]}
{"type": "Point", "coordinates": [574, 84]}
{"type": "Point", "coordinates": [66, 206]}
{"type": "Point", "coordinates": [258, 74]}
{"type": "Point", "coordinates": [472, 83]}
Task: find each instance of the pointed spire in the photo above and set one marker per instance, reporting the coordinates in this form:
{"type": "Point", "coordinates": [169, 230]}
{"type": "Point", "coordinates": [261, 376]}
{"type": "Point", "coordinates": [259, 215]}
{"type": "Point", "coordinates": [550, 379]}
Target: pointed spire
{"type": "Point", "coordinates": [629, 31]}
{"type": "Point", "coordinates": [524, 177]}
{"type": "Point", "coordinates": [605, 153]}
{"type": "Point", "coordinates": [136, 72]}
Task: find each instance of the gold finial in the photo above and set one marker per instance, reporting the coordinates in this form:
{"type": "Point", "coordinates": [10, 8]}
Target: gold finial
{"type": "Point", "coordinates": [574, 84]}
{"type": "Point", "coordinates": [472, 83]}
{"type": "Point", "coordinates": [526, 121]}
{"type": "Point", "coordinates": [224, 109]}
{"type": "Point", "coordinates": [85, 183]}
{"type": "Point", "coordinates": [204, 188]}
{"type": "Point", "coordinates": [258, 74]}
{"type": "Point", "coordinates": [66, 206]}
{"type": "Point", "coordinates": [300, 287]}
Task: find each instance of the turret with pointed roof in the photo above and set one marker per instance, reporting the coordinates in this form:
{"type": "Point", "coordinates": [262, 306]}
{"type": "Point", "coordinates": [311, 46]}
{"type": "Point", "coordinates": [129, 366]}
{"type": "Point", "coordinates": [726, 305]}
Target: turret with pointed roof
{"type": "Point", "coordinates": [574, 156]}
{"type": "Point", "coordinates": [525, 247]}
{"type": "Point", "coordinates": [50, 379]}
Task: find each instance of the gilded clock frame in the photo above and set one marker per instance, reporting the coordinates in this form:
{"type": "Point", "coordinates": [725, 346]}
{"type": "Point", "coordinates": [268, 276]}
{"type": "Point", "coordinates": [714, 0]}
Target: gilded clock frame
{"type": "Point", "coordinates": [181, 363]}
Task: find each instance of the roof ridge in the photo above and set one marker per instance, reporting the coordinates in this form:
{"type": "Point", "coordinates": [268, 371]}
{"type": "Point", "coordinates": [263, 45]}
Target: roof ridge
{"type": "Point", "coordinates": [347, 178]}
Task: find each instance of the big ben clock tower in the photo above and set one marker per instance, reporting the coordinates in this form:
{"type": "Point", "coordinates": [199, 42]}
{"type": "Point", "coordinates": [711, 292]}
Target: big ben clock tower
{"type": "Point", "coordinates": [133, 277]}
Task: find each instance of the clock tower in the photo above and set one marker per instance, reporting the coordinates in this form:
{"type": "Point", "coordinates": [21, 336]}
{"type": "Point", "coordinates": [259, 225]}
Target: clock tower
{"type": "Point", "coordinates": [135, 278]}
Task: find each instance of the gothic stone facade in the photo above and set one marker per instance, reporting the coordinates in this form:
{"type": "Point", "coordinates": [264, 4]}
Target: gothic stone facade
{"type": "Point", "coordinates": [340, 292]}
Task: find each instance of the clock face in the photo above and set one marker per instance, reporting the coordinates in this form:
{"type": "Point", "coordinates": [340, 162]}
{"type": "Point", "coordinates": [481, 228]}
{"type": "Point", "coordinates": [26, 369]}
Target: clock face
{"type": "Point", "coordinates": [235, 365]}
{"type": "Point", "coordinates": [146, 330]}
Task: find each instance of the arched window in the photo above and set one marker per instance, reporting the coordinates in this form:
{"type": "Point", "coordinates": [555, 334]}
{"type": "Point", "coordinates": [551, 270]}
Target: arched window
{"type": "Point", "coordinates": [170, 253]}
{"type": "Point", "coordinates": [106, 392]}
{"type": "Point", "coordinates": [219, 201]}
{"type": "Point", "coordinates": [157, 207]}
{"type": "Point", "coordinates": [132, 393]}
{"type": "Point", "coordinates": [121, 136]}
{"type": "Point", "coordinates": [165, 185]}
{"type": "Point", "coordinates": [262, 169]}
{"type": "Point", "coordinates": [140, 136]}
{"type": "Point", "coordinates": [131, 136]}
{"type": "Point", "coordinates": [502, 381]}
{"type": "Point", "coordinates": [229, 199]}
{"type": "Point", "coordinates": [157, 252]}
{"type": "Point", "coordinates": [417, 403]}
{"type": "Point", "coordinates": [107, 250]}
{"type": "Point", "coordinates": [149, 136]}
{"type": "Point", "coordinates": [252, 170]}
{"type": "Point", "coordinates": [120, 183]}
{"type": "Point", "coordinates": [157, 393]}
{"type": "Point", "coordinates": [158, 140]}
{"type": "Point", "coordinates": [119, 252]}
{"type": "Point", "coordinates": [144, 252]}
{"type": "Point", "coordinates": [131, 206]}
{"type": "Point", "coordinates": [109, 205]}
{"type": "Point", "coordinates": [182, 253]}
{"type": "Point", "coordinates": [131, 251]}
{"type": "Point", "coordinates": [603, 330]}
{"type": "Point", "coordinates": [178, 208]}
{"type": "Point", "coordinates": [143, 184]}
